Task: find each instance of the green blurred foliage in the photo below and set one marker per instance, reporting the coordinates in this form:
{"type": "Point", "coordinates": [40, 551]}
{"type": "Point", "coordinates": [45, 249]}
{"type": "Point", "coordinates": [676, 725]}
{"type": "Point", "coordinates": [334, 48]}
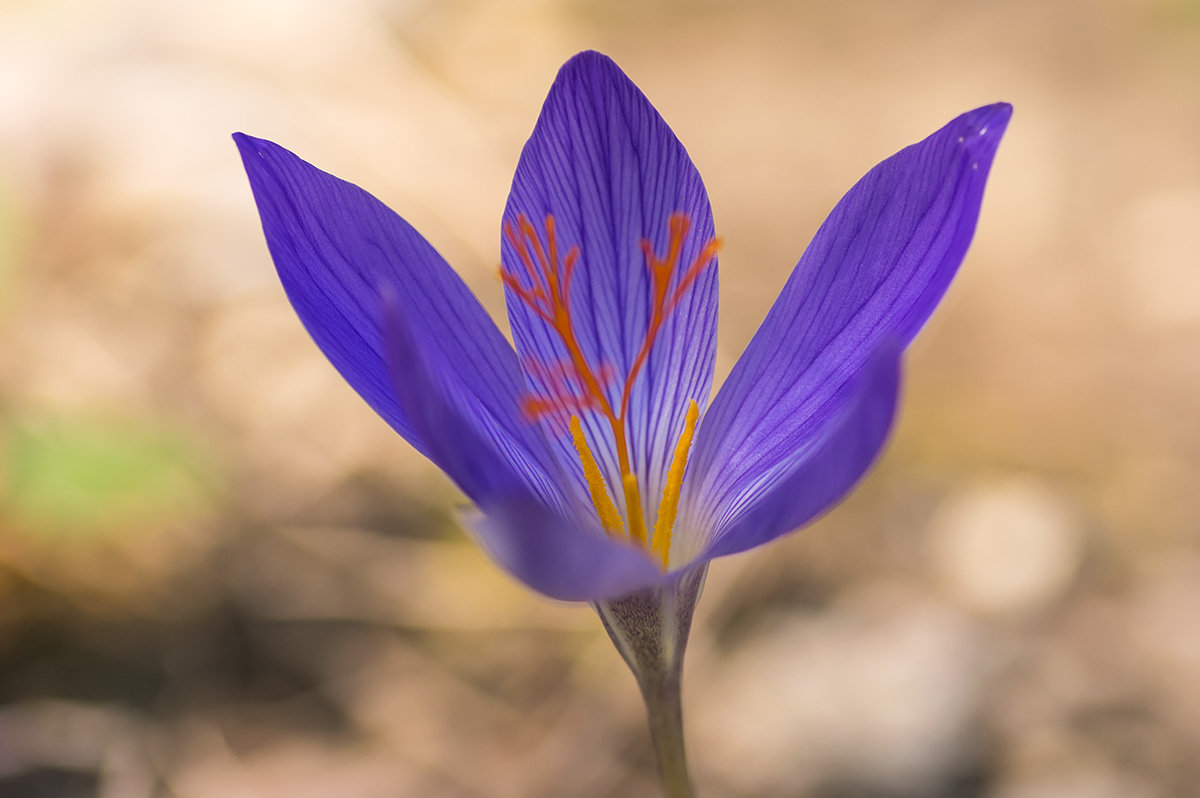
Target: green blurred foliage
{"type": "Point", "coordinates": [89, 477]}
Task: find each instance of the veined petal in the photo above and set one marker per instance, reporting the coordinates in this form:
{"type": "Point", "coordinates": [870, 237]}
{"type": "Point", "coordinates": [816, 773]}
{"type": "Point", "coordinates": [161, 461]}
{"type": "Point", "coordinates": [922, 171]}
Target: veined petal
{"type": "Point", "coordinates": [608, 169]}
{"type": "Point", "coordinates": [484, 446]}
{"type": "Point", "coordinates": [852, 432]}
{"type": "Point", "coordinates": [874, 272]}
{"type": "Point", "coordinates": [336, 249]}
{"type": "Point", "coordinates": [562, 554]}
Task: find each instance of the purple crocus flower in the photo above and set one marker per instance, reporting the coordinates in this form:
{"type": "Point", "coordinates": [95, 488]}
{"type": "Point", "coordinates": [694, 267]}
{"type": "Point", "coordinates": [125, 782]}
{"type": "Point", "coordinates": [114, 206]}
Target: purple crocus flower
{"type": "Point", "coordinates": [600, 469]}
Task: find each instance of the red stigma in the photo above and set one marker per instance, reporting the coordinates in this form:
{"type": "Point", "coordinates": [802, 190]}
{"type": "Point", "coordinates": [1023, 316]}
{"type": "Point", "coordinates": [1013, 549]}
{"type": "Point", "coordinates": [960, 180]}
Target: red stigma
{"type": "Point", "coordinates": [573, 384]}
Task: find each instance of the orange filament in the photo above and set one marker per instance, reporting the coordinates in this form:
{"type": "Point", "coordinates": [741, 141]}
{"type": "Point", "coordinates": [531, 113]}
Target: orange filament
{"type": "Point", "coordinates": [574, 385]}
{"type": "Point", "coordinates": [670, 498]}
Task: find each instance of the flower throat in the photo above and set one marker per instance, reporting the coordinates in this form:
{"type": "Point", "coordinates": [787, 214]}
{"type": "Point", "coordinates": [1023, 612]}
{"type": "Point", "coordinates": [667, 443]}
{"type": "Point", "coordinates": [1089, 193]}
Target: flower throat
{"type": "Point", "coordinates": [574, 386]}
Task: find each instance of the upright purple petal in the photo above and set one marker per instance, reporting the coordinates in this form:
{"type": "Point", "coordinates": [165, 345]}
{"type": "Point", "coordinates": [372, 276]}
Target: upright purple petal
{"type": "Point", "coordinates": [560, 552]}
{"type": "Point", "coordinates": [608, 168]}
{"type": "Point", "coordinates": [874, 272]}
{"type": "Point", "coordinates": [337, 250]}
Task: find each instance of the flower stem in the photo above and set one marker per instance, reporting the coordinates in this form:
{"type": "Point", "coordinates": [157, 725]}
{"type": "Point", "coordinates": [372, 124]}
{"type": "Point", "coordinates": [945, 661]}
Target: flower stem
{"type": "Point", "coordinates": [665, 713]}
{"type": "Point", "coordinates": [650, 630]}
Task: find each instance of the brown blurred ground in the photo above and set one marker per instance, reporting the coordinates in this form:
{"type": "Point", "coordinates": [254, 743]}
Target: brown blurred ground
{"type": "Point", "coordinates": [221, 575]}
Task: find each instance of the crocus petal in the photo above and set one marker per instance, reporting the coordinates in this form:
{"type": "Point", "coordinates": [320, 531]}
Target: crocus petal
{"type": "Point", "coordinates": [874, 272]}
{"type": "Point", "coordinates": [559, 561]}
{"type": "Point", "coordinates": [851, 437]}
{"type": "Point", "coordinates": [336, 248]}
{"type": "Point", "coordinates": [562, 555]}
{"type": "Point", "coordinates": [608, 168]}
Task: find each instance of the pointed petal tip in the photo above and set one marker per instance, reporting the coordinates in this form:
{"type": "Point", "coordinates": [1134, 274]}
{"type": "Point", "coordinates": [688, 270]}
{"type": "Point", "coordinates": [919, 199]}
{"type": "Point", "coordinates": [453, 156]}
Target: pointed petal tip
{"type": "Point", "coordinates": [246, 143]}
{"type": "Point", "coordinates": [1003, 110]}
{"type": "Point", "coordinates": [982, 128]}
{"type": "Point", "coordinates": [251, 147]}
{"type": "Point", "coordinates": [591, 65]}
{"type": "Point", "coordinates": [992, 115]}
{"type": "Point", "coordinates": [588, 58]}
{"type": "Point", "coordinates": [256, 153]}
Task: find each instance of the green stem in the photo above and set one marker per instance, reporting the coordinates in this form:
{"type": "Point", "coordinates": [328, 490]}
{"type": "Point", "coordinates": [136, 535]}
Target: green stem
{"type": "Point", "coordinates": [665, 713]}
{"type": "Point", "coordinates": [650, 630]}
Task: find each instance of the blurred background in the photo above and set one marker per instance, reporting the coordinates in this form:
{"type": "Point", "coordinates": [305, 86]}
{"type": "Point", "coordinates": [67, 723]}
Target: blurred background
{"type": "Point", "coordinates": [222, 575]}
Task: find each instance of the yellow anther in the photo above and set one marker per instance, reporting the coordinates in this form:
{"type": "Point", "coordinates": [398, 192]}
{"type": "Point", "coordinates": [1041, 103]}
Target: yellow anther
{"type": "Point", "coordinates": [633, 506]}
{"type": "Point", "coordinates": [610, 519]}
{"type": "Point", "coordinates": [670, 498]}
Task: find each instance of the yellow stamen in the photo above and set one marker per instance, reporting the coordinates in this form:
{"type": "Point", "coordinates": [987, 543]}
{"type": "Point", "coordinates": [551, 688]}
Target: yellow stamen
{"type": "Point", "coordinates": [610, 519]}
{"type": "Point", "coordinates": [670, 497]}
{"type": "Point", "coordinates": [633, 506]}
